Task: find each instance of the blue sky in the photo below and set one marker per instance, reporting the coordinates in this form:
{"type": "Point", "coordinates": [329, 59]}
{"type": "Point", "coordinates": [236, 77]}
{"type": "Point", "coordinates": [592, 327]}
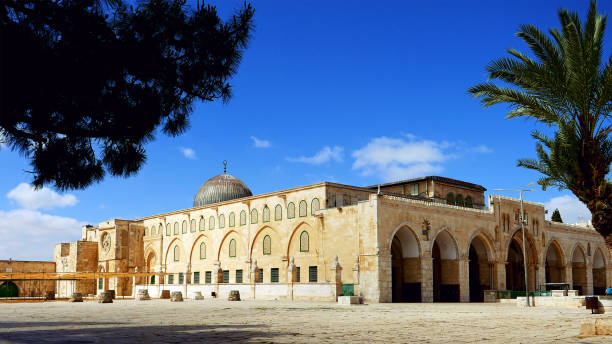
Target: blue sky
{"type": "Point", "coordinates": [352, 92]}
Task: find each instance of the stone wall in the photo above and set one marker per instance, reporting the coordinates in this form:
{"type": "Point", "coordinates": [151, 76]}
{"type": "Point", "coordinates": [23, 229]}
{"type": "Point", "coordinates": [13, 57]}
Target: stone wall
{"type": "Point", "coordinates": [31, 288]}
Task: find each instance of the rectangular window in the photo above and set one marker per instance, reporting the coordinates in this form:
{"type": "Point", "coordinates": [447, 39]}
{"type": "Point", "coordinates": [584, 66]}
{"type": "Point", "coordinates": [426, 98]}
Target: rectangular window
{"type": "Point", "coordinates": [208, 277]}
{"type": "Point", "coordinates": [225, 276]}
{"type": "Point", "coordinates": [171, 279]}
{"type": "Point", "coordinates": [274, 275]}
{"type": "Point", "coordinates": [260, 280]}
{"type": "Point", "coordinates": [196, 278]}
{"type": "Point", "coordinates": [414, 189]}
{"type": "Point", "coordinates": [181, 278]}
{"type": "Point", "coordinates": [153, 279]}
{"type": "Point", "coordinates": [297, 272]}
{"type": "Point", "coordinates": [238, 276]}
{"type": "Point", "coordinates": [312, 274]}
{"type": "Point", "coordinates": [100, 283]}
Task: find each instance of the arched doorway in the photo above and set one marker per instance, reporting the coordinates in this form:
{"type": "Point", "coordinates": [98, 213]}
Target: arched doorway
{"type": "Point", "coordinates": [405, 267]}
{"type": "Point", "coordinates": [479, 270]}
{"type": "Point", "coordinates": [9, 289]}
{"type": "Point", "coordinates": [445, 269]}
{"type": "Point", "coordinates": [599, 273]}
{"type": "Point", "coordinates": [515, 272]}
{"type": "Point", "coordinates": [579, 280]}
{"type": "Point", "coordinates": [555, 266]}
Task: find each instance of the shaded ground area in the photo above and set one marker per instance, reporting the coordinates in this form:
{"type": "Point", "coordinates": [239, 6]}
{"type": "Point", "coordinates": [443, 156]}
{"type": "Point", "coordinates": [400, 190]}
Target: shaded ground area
{"type": "Point", "coordinates": [162, 321]}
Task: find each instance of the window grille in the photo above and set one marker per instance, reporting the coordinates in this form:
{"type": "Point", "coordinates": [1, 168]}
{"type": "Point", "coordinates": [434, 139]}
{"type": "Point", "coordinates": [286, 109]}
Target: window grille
{"type": "Point", "coordinates": [100, 283]}
{"type": "Point", "coordinates": [267, 245]}
{"type": "Point", "coordinates": [232, 248]}
{"type": "Point", "coordinates": [312, 274]}
{"type": "Point", "coordinates": [225, 276]}
{"type": "Point", "coordinates": [450, 198]}
{"type": "Point", "coordinates": [274, 275]}
{"type": "Point", "coordinates": [153, 279]}
{"type": "Point", "coordinates": [171, 279]}
{"type": "Point", "coordinates": [181, 278]}
{"type": "Point", "coordinates": [304, 242]}
{"type": "Point", "coordinates": [459, 200]}
{"type": "Point", "coordinates": [261, 276]}
{"type": "Point", "coordinates": [414, 189]}
{"type": "Point", "coordinates": [297, 272]}
{"type": "Point", "coordinates": [238, 276]}
{"type": "Point", "coordinates": [196, 278]}
{"type": "Point", "coordinates": [208, 277]}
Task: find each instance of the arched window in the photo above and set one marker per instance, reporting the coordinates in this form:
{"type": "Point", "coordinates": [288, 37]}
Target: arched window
{"type": "Point", "coordinates": [232, 248]}
{"type": "Point", "coordinates": [254, 216]}
{"type": "Point", "coordinates": [278, 212]}
{"type": "Point", "coordinates": [266, 214]}
{"type": "Point", "coordinates": [315, 206]}
{"type": "Point", "coordinates": [211, 222]}
{"type": "Point", "coordinates": [202, 224]}
{"type": "Point", "coordinates": [203, 251]}
{"type": "Point", "coordinates": [304, 242]}
{"type": "Point", "coordinates": [450, 198]}
{"type": "Point", "coordinates": [290, 210]}
{"type": "Point", "coordinates": [176, 228]}
{"type": "Point", "coordinates": [459, 200]}
{"type": "Point", "coordinates": [168, 229]}
{"type": "Point", "coordinates": [243, 218]}
{"type": "Point", "coordinates": [193, 226]}
{"type": "Point", "coordinates": [267, 245]}
{"type": "Point", "coordinates": [146, 233]}
{"type": "Point", "coordinates": [303, 209]}
{"type": "Point", "coordinates": [184, 227]}
{"type": "Point", "coordinates": [160, 229]}
{"type": "Point", "coordinates": [232, 219]}
{"type": "Point", "coordinates": [221, 221]}
{"type": "Point", "coordinates": [468, 202]}
{"type": "Point", "coordinates": [177, 253]}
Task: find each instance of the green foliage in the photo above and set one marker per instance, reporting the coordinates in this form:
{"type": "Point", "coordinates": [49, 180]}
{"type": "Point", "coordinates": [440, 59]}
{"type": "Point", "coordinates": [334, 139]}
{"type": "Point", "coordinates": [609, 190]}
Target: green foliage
{"type": "Point", "coordinates": [86, 84]}
{"type": "Point", "coordinates": [556, 216]}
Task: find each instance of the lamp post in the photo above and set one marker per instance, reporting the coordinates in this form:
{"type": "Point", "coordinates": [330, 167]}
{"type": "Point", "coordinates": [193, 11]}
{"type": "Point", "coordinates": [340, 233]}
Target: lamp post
{"type": "Point", "coordinates": [522, 219]}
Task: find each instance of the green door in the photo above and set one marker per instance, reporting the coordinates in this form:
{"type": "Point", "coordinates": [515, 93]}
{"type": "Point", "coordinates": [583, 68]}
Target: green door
{"type": "Point", "coordinates": [9, 289]}
{"type": "Point", "coordinates": [348, 290]}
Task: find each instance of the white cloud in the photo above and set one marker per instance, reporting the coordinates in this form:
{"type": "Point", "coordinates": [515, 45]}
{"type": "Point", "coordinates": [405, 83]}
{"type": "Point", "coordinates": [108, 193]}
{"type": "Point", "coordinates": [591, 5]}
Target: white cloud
{"type": "Point", "coordinates": [396, 159]}
{"type": "Point", "coordinates": [260, 143]}
{"type": "Point", "coordinates": [31, 235]}
{"type": "Point", "coordinates": [482, 149]}
{"type": "Point", "coordinates": [188, 153]}
{"type": "Point", "coordinates": [44, 198]}
{"type": "Point", "coordinates": [571, 209]}
{"type": "Point", "coordinates": [324, 155]}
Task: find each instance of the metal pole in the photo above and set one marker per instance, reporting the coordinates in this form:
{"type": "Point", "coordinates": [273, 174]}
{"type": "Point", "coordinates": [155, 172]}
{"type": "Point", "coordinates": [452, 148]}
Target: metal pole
{"type": "Point", "coordinates": [524, 251]}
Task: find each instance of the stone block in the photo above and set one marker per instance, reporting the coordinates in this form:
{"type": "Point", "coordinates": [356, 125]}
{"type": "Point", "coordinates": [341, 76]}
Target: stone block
{"type": "Point", "coordinates": [234, 295]}
{"type": "Point", "coordinates": [197, 295]}
{"type": "Point", "coordinates": [105, 297]}
{"type": "Point", "coordinates": [557, 293]}
{"type": "Point", "coordinates": [349, 300]}
{"type": "Point", "coordinates": [165, 294]}
{"type": "Point", "coordinates": [572, 293]}
{"type": "Point", "coordinates": [489, 296]}
{"type": "Point", "coordinates": [76, 297]}
{"type": "Point", "coordinates": [143, 294]}
{"type": "Point", "coordinates": [596, 327]}
{"type": "Point", "coordinates": [176, 296]}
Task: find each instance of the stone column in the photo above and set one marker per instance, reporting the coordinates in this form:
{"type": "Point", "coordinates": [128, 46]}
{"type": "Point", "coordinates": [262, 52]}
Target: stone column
{"type": "Point", "coordinates": [337, 277]}
{"type": "Point", "coordinates": [356, 284]}
{"type": "Point", "coordinates": [541, 275]}
{"type": "Point", "coordinates": [568, 275]}
{"type": "Point", "coordinates": [589, 280]}
{"type": "Point", "coordinates": [134, 283]}
{"type": "Point", "coordinates": [186, 280]}
{"type": "Point", "coordinates": [384, 275]}
{"type": "Point", "coordinates": [158, 281]}
{"type": "Point", "coordinates": [254, 275]}
{"type": "Point", "coordinates": [217, 276]}
{"type": "Point", "coordinates": [427, 279]}
{"type": "Point", "coordinates": [291, 277]}
{"type": "Point", "coordinates": [464, 279]}
{"type": "Point", "coordinates": [500, 270]}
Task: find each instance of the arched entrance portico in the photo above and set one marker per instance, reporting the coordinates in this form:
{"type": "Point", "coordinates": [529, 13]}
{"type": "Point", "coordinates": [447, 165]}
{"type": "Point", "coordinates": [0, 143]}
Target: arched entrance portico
{"type": "Point", "coordinates": [479, 269]}
{"type": "Point", "coordinates": [555, 264]}
{"type": "Point", "coordinates": [515, 273]}
{"type": "Point", "coordinates": [405, 267]}
{"type": "Point", "coordinates": [9, 289]}
{"type": "Point", "coordinates": [579, 278]}
{"type": "Point", "coordinates": [599, 273]}
{"type": "Point", "coordinates": [445, 269]}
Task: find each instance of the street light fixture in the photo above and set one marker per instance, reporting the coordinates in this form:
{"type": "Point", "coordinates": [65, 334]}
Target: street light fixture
{"type": "Point", "coordinates": [522, 219]}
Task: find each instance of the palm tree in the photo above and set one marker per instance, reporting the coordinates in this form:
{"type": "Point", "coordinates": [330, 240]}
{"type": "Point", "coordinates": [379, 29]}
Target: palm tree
{"type": "Point", "coordinates": [565, 86]}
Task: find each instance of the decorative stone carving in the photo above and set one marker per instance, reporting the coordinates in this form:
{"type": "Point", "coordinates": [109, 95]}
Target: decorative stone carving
{"type": "Point", "coordinates": [234, 295]}
{"type": "Point", "coordinates": [105, 297]}
{"type": "Point", "coordinates": [176, 296]}
{"type": "Point", "coordinates": [143, 294]}
{"type": "Point", "coordinates": [76, 297]}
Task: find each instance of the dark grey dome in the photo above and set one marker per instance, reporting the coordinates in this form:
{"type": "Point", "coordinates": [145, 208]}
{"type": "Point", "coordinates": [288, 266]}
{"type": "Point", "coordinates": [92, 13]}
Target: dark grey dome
{"type": "Point", "coordinates": [223, 187]}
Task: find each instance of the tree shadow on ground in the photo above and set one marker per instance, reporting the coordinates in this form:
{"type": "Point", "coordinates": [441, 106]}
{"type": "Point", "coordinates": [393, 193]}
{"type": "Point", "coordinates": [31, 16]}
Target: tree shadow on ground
{"type": "Point", "coordinates": [105, 332]}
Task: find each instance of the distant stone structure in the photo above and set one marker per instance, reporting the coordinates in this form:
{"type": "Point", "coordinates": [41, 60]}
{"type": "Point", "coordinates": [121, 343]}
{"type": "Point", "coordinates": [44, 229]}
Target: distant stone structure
{"type": "Point", "coordinates": [425, 239]}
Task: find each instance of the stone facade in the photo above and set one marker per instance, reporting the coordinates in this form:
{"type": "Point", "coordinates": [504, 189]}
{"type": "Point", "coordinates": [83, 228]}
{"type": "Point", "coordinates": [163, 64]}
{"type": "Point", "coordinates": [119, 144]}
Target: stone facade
{"type": "Point", "coordinates": [393, 242]}
{"type": "Point", "coordinates": [32, 288]}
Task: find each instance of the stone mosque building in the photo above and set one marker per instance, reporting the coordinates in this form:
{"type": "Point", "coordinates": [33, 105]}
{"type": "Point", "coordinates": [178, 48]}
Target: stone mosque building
{"type": "Point", "coordinates": [424, 240]}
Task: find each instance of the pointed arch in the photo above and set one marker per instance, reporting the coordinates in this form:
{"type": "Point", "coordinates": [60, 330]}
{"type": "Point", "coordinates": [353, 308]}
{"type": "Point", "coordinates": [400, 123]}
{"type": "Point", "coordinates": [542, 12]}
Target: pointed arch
{"type": "Point", "coordinates": [448, 252]}
{"type": "Point", "coordinates": [406, 225]}
{"type": "Point", "coordinates": [489, 244]}
{"type": "Point", "coordinates": [195, 243]}
{"type": "Point", "coordinates": [225, 238]}
{"type": "Point", "coordinates": [174, 241]}
{"type": "Point", "coordinates": [259, 233]}
{"type": "Point", "coordinates": [582, 252]}
{"type": "Point", "coordinates": [532, 253]}
{"type": "Point", "coordinates": [553, 240]}
{"type": "Point", "coordinates": [297, 230]}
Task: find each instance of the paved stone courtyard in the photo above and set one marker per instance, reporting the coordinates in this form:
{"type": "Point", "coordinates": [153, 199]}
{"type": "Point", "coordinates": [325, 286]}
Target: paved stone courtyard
{"type": "Point", "coordinates": [161, 321]}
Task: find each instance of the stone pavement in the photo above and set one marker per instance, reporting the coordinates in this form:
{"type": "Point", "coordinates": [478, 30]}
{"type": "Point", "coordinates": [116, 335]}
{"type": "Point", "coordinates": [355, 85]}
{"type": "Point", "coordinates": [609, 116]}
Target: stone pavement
{"type": "Point", "coordinates": [162, 321]}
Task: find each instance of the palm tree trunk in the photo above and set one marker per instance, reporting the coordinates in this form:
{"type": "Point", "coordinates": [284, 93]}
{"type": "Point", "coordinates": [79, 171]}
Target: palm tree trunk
{"type": "Point", "coordinates": [601, 210]}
